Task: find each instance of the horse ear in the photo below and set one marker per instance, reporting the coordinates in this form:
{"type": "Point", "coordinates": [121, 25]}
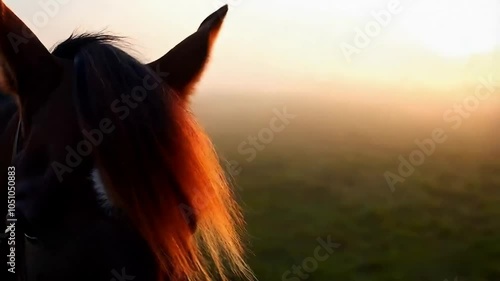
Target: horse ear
{"type": "Point", "coordinates": [186, 61]}
{"type": "Point", "coordinates": [24, 60]}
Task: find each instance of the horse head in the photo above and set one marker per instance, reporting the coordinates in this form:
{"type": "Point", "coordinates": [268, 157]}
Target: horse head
{"type": "Point", "coordinates": [94, 125]}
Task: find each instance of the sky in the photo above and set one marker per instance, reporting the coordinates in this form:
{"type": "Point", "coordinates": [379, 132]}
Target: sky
{"type": "Point", "coordinates": [277, 45]}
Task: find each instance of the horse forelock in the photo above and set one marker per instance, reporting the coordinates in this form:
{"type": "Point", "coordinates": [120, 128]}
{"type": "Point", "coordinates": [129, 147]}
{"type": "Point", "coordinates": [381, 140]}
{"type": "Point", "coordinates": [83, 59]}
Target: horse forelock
{"type": "Point", "coordinates": [154, 162]}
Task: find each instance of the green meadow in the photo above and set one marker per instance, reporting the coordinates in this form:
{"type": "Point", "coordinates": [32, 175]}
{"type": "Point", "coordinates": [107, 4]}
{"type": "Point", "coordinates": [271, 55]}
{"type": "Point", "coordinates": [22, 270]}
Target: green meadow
{"type": "Point", "coordinates": [322, 176]}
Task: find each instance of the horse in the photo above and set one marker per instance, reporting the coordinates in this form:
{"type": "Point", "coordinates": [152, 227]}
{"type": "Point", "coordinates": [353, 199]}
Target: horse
{"type": "Point", "coordinates": [112, 176]}
{"type": "Point", "coordinates": [7, 109]}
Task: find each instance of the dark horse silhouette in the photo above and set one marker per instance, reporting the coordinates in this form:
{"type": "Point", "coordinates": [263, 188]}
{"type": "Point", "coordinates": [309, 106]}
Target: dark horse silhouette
{"type": "Point", "coordinates": [114, 178]}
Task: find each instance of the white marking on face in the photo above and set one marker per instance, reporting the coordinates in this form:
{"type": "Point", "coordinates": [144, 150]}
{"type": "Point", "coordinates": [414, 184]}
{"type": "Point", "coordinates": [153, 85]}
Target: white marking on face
{"type": "Point", "coordinates": [100, 189]}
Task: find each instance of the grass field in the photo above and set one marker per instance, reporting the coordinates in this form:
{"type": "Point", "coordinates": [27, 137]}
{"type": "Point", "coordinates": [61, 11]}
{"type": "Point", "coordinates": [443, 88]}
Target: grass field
{"type": "Point", "coordinates": [323, 176]}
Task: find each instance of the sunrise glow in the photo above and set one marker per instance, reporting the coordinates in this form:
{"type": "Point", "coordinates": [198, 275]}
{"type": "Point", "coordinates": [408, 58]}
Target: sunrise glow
{"type": "Point", "coordinates": [271, 43]}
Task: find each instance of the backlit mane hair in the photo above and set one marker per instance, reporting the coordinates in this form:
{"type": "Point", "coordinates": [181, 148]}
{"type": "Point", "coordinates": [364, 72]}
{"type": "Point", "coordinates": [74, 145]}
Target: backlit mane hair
{"type": "Point", "coordinates": [157, 165]}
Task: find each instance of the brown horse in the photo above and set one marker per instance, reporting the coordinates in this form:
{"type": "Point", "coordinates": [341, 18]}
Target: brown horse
{"type": "Point", "coordinates": [114, 179]}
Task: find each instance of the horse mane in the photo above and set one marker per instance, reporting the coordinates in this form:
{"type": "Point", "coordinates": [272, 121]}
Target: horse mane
{"type": "Point", "coordinates": [157, 164]}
